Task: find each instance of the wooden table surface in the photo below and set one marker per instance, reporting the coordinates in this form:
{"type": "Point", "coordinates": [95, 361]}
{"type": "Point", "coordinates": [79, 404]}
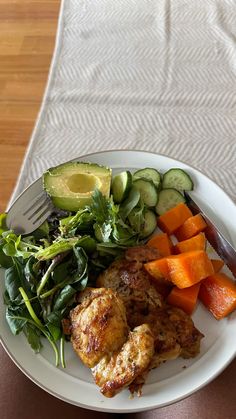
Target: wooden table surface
{"type": "Point", "coordinates": [27, 37]}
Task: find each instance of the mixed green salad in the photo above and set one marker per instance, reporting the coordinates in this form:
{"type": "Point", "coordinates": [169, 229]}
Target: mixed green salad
{"type": "Point", "coordinates": [46, 269]}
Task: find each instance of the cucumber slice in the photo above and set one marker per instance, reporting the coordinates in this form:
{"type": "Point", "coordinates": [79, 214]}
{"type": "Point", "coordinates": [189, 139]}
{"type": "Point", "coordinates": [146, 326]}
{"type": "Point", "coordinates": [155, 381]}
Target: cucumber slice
{"type": "Point", "coordinates": [148, 191]}
{"type": "Point", "coordinates": [150, 223]}
{"type": "Point", "coordinates": [177, 179]}
{"type": "Point", "coordinates": [168, 198]}
{"type": "Point", "coordinates": [121, 185]}
{"type": "Point", "coordinates": [150, 174]}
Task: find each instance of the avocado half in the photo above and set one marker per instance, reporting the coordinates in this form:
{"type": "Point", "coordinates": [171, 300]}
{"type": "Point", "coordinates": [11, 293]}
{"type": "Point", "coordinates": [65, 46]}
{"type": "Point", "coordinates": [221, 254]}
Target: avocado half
{"type": "Point", "coordinates": [71, 185]}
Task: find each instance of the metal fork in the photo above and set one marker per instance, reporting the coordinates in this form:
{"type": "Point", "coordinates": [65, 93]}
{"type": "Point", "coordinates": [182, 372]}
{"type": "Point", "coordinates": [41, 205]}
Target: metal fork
{"type": "Point", "coordinates": [29, 210]}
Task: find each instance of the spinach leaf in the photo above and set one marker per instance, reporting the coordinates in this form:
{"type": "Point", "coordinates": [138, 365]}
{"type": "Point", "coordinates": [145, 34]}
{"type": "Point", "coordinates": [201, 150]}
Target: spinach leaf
{"type": "Point", "coordinates": [47, 275]}
{"type": "Point", "coordinates": [64, 296]}
{"type": "Point", "coordinates": [61, 272]}
{"type": "Point", "coordinates": [54, 324]}
{"type": "Point", "coordinates": [42, 231]}
{"type": "Point", "coordinates": [6, 298]}
{"type": "Point", "coordinates": [81, 260]}
{"type": "Point", "coordinates": [87, 243]}
{"type": "Point", "coordinates": [72, 271]}
{"type": "Point", "coordinates": [16, 318]}
{"type": "Point", "coordinates": [74, 268]}
{"type": "Point", "coordinates": [12, 284]}
{"type": "Point", "coordinates": [81, 285]}
{"type": "Point", "coordinates": [14, 279]}
{"type": "Point", "coordinates": [31, 271]}
{"type": "Point", "coordinates": [55, 331]}
{"type": "Point", "coordinates": [19, 269]}
{"type": "Point", "coordinates": [5, 261]}
{"type": "Point", "coordinates": [33, 334]}
{"type": "Point", "coordinates": [9, 249]}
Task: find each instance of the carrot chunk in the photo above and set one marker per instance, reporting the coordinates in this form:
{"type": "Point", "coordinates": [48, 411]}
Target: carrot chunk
{"type": "Point", "coordinates": [197, 242]}
{"type": "Point", "coordinates": [185, 298]}
{"type": "Point", "coordinates": [188, 268]}
{"type": "Point", "coordinates": [162, 243]}
{"type": "Point", "coordinates": [158, 269]}
{"type": "Point", "coordinates": [217, 264]}
{"type": "Point", "coordinates": [218, 294]}
{"type": "Point", "coordinates": [174, 218]}
{"type": "Point", "coordinates": [159, 275]}
{"type": "Point", "coordinates": [192, 226]}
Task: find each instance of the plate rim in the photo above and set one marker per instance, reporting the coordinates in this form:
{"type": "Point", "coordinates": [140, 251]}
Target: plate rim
{"type": "Point", "coordinates": [137, 409]}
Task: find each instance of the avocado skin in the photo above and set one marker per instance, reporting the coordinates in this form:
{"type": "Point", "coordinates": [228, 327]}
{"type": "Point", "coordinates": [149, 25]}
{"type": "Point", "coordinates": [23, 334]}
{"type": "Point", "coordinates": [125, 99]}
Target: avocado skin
{"type": "Point", "coordinates": [55, 184]}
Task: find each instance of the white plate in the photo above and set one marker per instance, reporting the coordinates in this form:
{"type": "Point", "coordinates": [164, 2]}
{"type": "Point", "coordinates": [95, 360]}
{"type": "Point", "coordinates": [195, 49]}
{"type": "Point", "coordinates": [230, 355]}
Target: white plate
{"type": "Point", "coordinates": [172, 381]}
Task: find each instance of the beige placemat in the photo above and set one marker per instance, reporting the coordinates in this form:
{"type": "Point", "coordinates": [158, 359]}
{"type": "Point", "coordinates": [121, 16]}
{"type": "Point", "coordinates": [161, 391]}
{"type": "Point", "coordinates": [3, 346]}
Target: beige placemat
{"type": "Point", "coordinates": [156, 75]}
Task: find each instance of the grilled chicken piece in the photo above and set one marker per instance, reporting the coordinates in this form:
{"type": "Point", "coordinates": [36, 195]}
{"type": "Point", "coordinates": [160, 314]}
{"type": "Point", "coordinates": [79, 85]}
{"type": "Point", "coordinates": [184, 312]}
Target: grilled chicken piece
{"type": "Point", "coordinates": [132, 284]}
{"type": "Point", "coordinates": [174, 332]}
{"type": "Point", "coordinates": [98, 325]}
{"type": "Point", "coordinates": [187, 335]}
{"type": "Point", "coordinates": [133, 359]}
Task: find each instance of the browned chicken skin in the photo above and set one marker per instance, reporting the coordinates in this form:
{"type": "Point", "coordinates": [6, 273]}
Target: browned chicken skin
{"type": "Point", "coordinates": [126, 299]}
{"type": "Point", "coordinates": [133, 359]}
{"type": "Point", "coordinates": [98, 325]}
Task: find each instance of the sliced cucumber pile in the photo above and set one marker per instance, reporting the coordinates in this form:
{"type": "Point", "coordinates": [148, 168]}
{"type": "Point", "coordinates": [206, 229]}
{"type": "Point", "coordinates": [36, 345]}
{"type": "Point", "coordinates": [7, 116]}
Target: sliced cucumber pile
{"type": "Point", "coordinates": [147, 192]}
{"type": "Point", "coordinates": [149, 174]}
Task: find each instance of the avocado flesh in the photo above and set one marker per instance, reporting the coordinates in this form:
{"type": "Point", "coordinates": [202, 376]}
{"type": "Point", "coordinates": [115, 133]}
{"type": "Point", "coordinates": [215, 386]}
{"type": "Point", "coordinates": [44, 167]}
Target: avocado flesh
{"type": "Point", "coordinates": [71, 185]}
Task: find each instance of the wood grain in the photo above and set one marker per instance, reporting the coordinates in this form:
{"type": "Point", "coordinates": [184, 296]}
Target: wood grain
{"type": "Point", "coordinates": [27, 38]}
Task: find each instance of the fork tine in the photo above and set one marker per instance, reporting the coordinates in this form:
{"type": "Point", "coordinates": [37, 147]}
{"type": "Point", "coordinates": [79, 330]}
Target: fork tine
{"type": "Point", "coordinates": [44, 214]}
{"type": "Point", "coordinates": [35, 202]}
{"type": "Point", "coordinates": [37, 209]}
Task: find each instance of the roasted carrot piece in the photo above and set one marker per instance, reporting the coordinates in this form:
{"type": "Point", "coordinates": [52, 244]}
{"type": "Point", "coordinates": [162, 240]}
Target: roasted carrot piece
{"type": "Point", "coordinates": [217, 264]}
{"type": "Point", "coordinates": [218, 294]}
{"type": "Point", "coordinates": [158, 269]}
{"type": "Point", "coordinates": [162, 243]}
{"type": "Point", "coordinates": [186, 269]}
{"type": "Point", "coordinates": [197, 242]}
{"type": "Point", "coordinates": [159, 275]}
{"type": "Point", "coordinates": [185, 298]}
{"type": "Point", "coordinates": [192, 226]}
{"type": "Point", "coordinates": [174, 218]}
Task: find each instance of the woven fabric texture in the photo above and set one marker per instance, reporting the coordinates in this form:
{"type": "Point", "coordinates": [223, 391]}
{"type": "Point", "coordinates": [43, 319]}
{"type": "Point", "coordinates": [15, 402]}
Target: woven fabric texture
{"type": "Point", "coordinates": [156, 75]}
